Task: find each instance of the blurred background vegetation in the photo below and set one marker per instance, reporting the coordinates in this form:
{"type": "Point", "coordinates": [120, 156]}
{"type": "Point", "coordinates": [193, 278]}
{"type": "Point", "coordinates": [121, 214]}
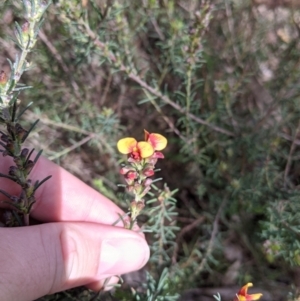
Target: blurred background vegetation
{"type": "Point", "coordinates": [221, 80]}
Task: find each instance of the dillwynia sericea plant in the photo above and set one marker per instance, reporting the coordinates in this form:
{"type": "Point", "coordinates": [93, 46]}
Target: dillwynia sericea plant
{"type": "Point", "coordinates": [13, 135]}
{"type": "Point", "coordinates": [142, 157]}
{"type": "Point", "coordinates": [140, 167]}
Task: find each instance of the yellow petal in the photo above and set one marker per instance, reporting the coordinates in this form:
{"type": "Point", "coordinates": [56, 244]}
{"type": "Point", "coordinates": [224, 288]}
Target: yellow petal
{"type": "Point", "coordinates": [145, 149]}
{"type": "Point", "coordinates": [158, 141]}
{"type": "Point", "coordinates": [126, 145]}
{"type": "Point", "coordinates": [244, 289]}
{"type": "Point", "coordinates": [254, 296]}
{"type": "Point", "coordinates": [244, 296]}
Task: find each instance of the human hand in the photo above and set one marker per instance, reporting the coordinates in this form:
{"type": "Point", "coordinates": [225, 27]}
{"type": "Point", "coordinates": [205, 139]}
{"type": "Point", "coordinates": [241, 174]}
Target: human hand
{"type": "Point", "coordinates": [76, 244]}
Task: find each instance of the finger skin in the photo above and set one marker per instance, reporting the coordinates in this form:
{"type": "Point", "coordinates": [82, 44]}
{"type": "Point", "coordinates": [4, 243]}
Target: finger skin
{"type": "Point", "coordinates": [48, 258]}
{"type": "Point", "coordinates": [35, 260]}
{"type": "Point", "coordinates": [63, 197]}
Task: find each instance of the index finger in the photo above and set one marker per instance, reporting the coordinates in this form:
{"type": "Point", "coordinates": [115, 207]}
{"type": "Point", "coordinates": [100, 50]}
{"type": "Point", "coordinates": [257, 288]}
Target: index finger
{"type": "Point", "coordinates": [63, 197]}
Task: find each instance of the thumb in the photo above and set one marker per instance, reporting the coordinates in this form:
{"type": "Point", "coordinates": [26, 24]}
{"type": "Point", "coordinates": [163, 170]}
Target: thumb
{"type": "Point", "coordinates": [48, 258]}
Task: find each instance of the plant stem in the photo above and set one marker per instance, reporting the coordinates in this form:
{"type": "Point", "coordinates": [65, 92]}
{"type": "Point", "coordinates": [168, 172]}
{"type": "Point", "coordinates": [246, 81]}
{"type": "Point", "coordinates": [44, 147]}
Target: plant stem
{"type": "Point", "coordinates": [136, 78]}
{"type": "Point", "coordinates": [26, 219]}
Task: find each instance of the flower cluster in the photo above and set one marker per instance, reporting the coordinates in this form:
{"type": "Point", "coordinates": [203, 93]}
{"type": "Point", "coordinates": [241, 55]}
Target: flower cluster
{"type": "Point", "coordinates": [141, 159]}
{"type": "Point", "coordinates": [243, 295]}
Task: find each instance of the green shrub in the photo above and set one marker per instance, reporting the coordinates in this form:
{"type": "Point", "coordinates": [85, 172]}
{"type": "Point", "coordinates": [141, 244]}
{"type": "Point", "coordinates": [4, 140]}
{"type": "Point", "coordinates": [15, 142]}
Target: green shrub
{"type": "Point", "coordinates": [221, 81]}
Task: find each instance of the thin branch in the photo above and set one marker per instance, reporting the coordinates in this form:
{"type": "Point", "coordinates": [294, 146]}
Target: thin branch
{"type": "Point", "coordinates": [183, 231]}
{"type": "Point", "coordinates": [111, 57]}
{"type": "Point", "coordinates": [54, 52]}
{"type": "Point", "coordinates": [106, 90]}
{"type": "Point", "coordinates": [212, 240]}
{"type": "Point", "coordinates": [74, 146]}
{"type": "Point", "coordinates": [167, 100]}
{"type": "Point", "coordinates": [72, 128]}
{"type": "Point", "coordinates": [59, 59]}
{"type": "Point", "coordinates": [230, 24]}
{"type": "Point", "coordinates": [157, 29]}
{"type": "Point", "coordinates": [289, 160]}
{"type": "Point", "coordinates": [289, 138]}
{"type": "Point", "coordinates": [165, 118]}
{"type": "Point", "coordinates": [47, 121]}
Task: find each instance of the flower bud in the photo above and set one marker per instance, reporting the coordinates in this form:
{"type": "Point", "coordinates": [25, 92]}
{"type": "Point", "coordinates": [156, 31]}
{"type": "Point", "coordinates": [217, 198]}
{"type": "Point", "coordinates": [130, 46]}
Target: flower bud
{"type": "Point", "coordinates": [137, 189]}
{"type": "Point", "coordinates": [130, 182]}
{"type": "Point", "coordinates": [136, 208]}
{"type": "Point", "coordinates": [148, 172]}
{"type": "Point", "coordinates": [130, 188]}
{"type": "Point", "coordinates": [18, 161]}
{"type": "Point", "coordinates": [22, 36]}
{"type": "Point", "coordinates": [148, 182]}
{"type": "Point", "coordinates": [158, 155]}
{"type": "Point", "coordinates": [161, 198]}
{"type": "Point", "coordinates": [29, 166]}
{"type": "Point", "coordinates": [25, 28]}
{"type": "Point", "coordinates": [20, 132]}
{"type": "Point", "coordinates": [124, 170]}
{"type": "Point", "coordinates": [17, 200]}
{"type": "Point", "coordinates": [29, 187]}
{"type": "Point", "coordinates": [10, 147]}
{"type": "Point", "coordinates": [13, 171]}
{"type": "Point", "coordinates": [24, 153]}
{"type": "Point", "coordinates": [131, 175]}
{"type": "Point", "coordinates": [152, 161]}
{"type": "Point", "coordinates": [3, 79]}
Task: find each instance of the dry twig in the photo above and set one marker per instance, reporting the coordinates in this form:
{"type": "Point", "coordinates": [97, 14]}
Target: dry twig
{"type": "Point", "coordinates": [136, 78]}
{"type": "Point", "coordinates": [211, 241]}
{"type": "Point", "coordinates": [289, 161]}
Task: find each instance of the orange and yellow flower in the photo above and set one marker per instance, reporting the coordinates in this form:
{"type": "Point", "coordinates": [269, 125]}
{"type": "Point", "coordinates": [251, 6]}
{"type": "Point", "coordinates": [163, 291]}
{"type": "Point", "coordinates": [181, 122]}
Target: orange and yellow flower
{"type": "Point", "coordinates": [143, 149]}
{"type": "Point", "coordinates": [158, 141]}
{"type": "Point", "coordinates": [243, 295]}
{"type": "Point", "coordinates": [137, 150]}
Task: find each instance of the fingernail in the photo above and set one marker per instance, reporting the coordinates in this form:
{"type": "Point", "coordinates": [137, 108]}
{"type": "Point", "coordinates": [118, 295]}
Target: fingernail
{"type": "Point", "coordinates": [122, 255]}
